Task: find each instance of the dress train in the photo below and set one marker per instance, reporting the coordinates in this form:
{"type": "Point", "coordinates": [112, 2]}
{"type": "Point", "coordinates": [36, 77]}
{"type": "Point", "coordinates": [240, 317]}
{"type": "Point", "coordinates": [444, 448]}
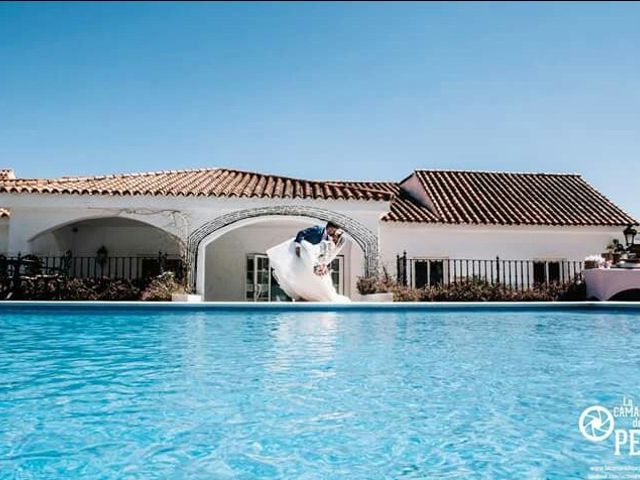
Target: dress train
{"type": "Point", "coordinates": [296, 275]}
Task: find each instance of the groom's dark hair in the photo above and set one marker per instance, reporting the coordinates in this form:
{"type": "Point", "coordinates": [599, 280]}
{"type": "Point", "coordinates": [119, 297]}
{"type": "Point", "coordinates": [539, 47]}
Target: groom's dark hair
{"type": "Point", "coordinates": [331, 225]}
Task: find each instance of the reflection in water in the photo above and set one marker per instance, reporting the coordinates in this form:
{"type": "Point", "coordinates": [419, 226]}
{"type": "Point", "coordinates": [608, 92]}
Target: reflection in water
{"type": "Point", "coordinates": [311, 337]}
{"type": "Point", "coordinates": [309, 395]}
{"type": "Point", "coordinates": [196, 344]}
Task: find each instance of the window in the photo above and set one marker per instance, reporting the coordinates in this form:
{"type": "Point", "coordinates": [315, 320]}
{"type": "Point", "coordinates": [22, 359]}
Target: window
{"type": "Point", "coordinates": [428, 272]}
{"type": "Point", "coordinates": [337, 274]}
{"type": "Point", "coordinates": [546, 271]}
{"type": "Point", "coordinates": [262, 286]}
{"type": "Point", "coordinates": [258, 279]}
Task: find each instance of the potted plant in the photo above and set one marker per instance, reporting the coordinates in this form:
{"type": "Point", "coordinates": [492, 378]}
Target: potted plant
{"type": "Point", "coordinates": [373, 289]}
{"type": "Point", "coordinates": [165, 287]}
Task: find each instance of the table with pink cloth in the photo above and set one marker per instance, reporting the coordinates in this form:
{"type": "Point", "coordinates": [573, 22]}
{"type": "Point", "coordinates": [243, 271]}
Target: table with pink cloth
{"type": "Point", "coordinates": [604, 283]}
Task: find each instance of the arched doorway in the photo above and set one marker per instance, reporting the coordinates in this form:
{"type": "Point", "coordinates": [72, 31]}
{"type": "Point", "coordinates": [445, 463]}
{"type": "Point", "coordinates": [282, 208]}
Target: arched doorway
{"type": "Point", "coordinates": [363, 237]}
{"type": "Point", "coordinates": [116, 247]}
{"type": "Point", "coordinates": [237, 268]}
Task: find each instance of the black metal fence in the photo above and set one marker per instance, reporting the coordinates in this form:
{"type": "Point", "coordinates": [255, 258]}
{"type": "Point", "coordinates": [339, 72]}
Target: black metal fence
{"type": "Point", "coordinates": [518, 274]}
{"type": "Point", "coordinates": [115, 267]}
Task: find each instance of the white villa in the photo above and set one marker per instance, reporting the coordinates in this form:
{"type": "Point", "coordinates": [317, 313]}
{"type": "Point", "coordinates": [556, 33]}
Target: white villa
{"type": "Point", "coordinates": [221, 221]}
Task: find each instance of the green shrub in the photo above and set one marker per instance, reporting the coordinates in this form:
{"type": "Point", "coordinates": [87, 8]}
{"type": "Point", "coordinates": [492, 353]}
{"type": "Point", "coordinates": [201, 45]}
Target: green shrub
{"type": "Point", "coordinates": [402, 293]}
{"type": "Point", "coordinates": [62, 288]}
{"type": "Point", "coordinates": [367, 285]}
{"type": "Point", "coordinates": [372, 284]}
{"type": "Point", "coordinates": [75, 289]}
{"type": "Point", "coordinates": [117, 290]}
{"type": "Point", "coordinates": [481, 291]}
{"type": "Point", "coordinates": [161, 288]}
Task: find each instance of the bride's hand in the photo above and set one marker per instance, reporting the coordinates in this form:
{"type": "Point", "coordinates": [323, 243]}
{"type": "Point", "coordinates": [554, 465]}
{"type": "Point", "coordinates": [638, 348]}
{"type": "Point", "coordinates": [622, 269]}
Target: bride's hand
{"type": "Point", "coordinates": [320, 270]}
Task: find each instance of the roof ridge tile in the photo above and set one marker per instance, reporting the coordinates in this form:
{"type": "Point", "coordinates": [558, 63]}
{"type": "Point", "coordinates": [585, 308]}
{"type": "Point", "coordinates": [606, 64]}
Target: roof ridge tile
{"type": "Point", "coordinates": [505, 172]}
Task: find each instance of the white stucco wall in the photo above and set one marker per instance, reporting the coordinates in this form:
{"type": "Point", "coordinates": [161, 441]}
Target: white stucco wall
{"type": "Point", "coordinates": [415, 189]}
{"type": "Point", "coordinates": [225, 258]}
{"type": "Point", "coordinates": [4, 235]}
{"type": "Point", "coordinates": [487, 242]}
{"type": "Point", "coordinates": [32, 214]}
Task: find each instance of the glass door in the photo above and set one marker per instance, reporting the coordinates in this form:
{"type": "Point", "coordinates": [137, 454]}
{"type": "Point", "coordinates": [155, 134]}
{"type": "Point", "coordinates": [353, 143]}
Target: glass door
{"type": "Point", "coordinates": [336, 274]}
{"type": "Point", "coordinates": [261, 285]}
{"type": "Point", "coordinates": [258, 279]}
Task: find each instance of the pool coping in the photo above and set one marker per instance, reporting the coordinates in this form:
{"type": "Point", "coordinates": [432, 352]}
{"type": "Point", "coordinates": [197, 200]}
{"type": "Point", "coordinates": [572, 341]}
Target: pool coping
{"type": "Point", "coordinates": [16, 305]}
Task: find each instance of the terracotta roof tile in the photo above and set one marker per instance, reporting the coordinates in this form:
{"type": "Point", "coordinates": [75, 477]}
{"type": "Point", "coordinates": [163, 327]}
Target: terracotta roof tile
{"type": "Point", "coordinates": [505, 198]}
{"type": "Point", "coordinates": [213, 182]}
{"type": "Point", "coordinates": [5, 174]}
{"type": "Point", "coordinates": [455, 197]}
{"type": "Point", "coordinates": [501, 198]}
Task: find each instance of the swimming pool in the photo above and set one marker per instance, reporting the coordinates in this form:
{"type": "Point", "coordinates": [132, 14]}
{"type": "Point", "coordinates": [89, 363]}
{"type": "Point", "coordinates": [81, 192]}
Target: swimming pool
{"type": "Point", "coordinates": [165, 393]}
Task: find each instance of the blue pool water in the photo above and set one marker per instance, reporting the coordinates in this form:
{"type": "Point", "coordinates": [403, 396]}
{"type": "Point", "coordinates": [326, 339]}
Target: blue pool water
{"type": "Point", "coordinates": [316, 395]}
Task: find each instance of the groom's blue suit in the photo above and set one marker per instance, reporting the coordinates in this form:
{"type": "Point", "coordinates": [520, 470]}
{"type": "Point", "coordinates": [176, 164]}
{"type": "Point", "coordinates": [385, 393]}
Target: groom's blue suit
{"type": "Point", "coordinates": [313, 235]}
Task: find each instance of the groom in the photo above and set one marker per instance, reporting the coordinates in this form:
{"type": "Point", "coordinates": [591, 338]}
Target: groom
{"type": "Point", "coordinates": [315, 235]}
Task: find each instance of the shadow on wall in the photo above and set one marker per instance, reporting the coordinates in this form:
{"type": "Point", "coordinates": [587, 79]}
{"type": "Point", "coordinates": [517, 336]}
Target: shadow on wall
{"type": "Point", "coordinates": [632, 295]}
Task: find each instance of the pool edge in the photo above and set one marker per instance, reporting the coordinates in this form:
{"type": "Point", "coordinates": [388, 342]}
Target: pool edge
{"type": "Point", "coordinates": [13, 305]}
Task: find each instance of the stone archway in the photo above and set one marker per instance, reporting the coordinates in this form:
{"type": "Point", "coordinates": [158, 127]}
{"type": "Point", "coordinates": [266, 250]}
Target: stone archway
{"type": "Point", "coordinates": [366, 239]}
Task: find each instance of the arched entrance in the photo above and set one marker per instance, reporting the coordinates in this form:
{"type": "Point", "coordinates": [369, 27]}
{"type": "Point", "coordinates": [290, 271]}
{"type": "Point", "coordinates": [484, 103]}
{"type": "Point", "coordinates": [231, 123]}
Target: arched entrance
{"type": "Point", "coordinates": [199, 238]}
{"type": "Point", "coordinates": [107, 246]}
{"type": "Point", "coordinates": [233, 265]}
{"type": "Point", "coordinates": [121, 235]}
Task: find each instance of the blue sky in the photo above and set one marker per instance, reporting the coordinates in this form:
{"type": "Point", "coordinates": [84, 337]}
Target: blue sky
{"type": "Point", "coordinates": [323, 90]}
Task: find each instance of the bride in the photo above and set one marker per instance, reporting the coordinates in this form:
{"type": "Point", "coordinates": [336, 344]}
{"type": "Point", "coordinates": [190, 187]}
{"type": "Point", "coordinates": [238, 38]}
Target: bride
{"type": "Point", "coordinates": [301, 265]}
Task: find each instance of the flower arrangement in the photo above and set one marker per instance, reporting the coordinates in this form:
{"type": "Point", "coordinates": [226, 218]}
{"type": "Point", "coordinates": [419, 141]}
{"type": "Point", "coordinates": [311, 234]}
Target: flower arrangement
{"type": "Point", "coordinates": [594, 261]}
{"type": "Point", "coordinates": [321, 267]}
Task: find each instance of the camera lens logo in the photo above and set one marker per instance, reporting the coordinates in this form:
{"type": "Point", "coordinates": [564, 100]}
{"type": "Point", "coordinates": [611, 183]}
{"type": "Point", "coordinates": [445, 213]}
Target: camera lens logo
{"type": "Point", "coordinates": [596, 423]}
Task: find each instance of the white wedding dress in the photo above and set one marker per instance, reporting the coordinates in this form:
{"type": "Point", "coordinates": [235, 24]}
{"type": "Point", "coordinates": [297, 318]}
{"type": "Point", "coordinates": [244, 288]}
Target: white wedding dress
{"type": "Point", "coordinates": [296, 275]}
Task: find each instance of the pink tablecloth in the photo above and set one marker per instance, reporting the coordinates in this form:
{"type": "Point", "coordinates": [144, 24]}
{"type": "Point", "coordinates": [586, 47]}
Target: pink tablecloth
{"type": "Point", "coordinates": [604, 283]}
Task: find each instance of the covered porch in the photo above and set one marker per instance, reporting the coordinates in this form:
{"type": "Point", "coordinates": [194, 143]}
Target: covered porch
{"type": "Point", "coordinates": [236, 267]}
{"type": "Point", "coordinates": [113, 247]}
